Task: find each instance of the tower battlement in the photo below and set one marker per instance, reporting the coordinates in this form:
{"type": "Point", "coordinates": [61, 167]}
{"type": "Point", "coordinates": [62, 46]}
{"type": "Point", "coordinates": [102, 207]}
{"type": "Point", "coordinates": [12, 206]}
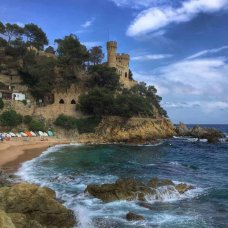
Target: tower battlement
{"type": "Point", "coordinates": [120, 61]}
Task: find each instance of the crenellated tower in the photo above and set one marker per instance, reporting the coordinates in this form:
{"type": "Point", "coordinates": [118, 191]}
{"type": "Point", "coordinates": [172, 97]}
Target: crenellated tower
{"type": "Point", "coordinates": [111, 52]}
{"type": "Point", "coordinates": [120, 62]}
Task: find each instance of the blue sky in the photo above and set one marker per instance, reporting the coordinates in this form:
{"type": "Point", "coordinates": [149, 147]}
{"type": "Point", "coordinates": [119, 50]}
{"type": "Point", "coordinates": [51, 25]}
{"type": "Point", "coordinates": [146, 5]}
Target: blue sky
{"type": "Point", "coordinates": [180, 46]}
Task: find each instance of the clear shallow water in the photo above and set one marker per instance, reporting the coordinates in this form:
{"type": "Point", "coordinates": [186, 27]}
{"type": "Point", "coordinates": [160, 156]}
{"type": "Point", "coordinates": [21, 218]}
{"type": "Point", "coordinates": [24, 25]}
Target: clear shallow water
{"type": "Point", "coordinates": [68, 170]}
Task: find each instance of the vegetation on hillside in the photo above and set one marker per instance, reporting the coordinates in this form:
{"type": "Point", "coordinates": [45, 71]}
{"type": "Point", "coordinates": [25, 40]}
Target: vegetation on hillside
{"type": "Point", "coordinates": [44, 68]}
{"type": "Point", "coordinates": [1, 103]}
{"type": "Point", "coordinates": [10, 119]}
{"type": "Point", "coordinates": [86, 125]}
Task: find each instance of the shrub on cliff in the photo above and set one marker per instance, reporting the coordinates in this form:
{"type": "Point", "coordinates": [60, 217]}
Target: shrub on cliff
{"type": "Point", "coordinates": [103, 76]}
{"type": "Point", "coordinates": [101, 101]}
{"type": "Point", "coordinates": [86, 125]}
{"type": "Point", "coordinates": [98, 102]}
{"type": "Point", "coordinates": [66, 122]}
{"type": "Point", "coordinates": [36, 125]}
{"type": "Point", "coordinates": [27, 119]}
{"type": "Point", "coordinates": [10, 119]}
{"type": "Point", "coordinates": [1, 103]}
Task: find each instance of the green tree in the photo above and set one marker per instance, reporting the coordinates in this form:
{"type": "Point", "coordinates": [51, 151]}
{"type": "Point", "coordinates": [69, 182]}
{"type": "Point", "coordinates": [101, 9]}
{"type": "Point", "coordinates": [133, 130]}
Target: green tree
{"type": "Point", "coordinates": [71, 51]}
{"type": "Point", "coordinates": [36, 125]}
{"type": "Point", "coordinates": [10, 119]}
{"type": "Point", "coordinates": [103, 76]}
{"type": "Point", "coordinates": [1, 103]}
{"type": "Point", "coordinates": [50, 50]}
{"type": "Point", "coordinates": [12, 31]}
{"type": "Point", "coordinates": [3, 42]}
{"type": "Point", "coordinates": [36, 37]}
{"type": "Point", "coordinates": [96, 55]}
{"type": "Point", "coordinates": [98, 102]}
{"type": "Point", "coordinates": [17, 48]}
{"type": "Point", "coordinates": [66, 122]}
{"type": "Point", "coordinates": [130, 75]}
{"type": "Point", "coordinates": [2, 28]}
{"type": "Point", "coordinates": [38, 73]}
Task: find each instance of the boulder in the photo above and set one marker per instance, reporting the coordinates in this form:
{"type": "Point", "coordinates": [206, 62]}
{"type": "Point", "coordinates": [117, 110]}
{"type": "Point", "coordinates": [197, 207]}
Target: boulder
{"type": "Point", "coordinates": [29, 205]}
{"type": "Point", "coordinates": [182, 188]}
{"type": "Point", "coordinates": [211, 134]}
{"type": "Point", "coordinates": [182, 129]}
{"type": "Point", "coordinates": [131, 189]}
{"type": "Point", "coordinates": [4, 179]}
{"type": "Point", "coordinates": [122, 189]}
{"type": "Point", "coordinates": [5, 220]}
{"type": "Point", "coordinates": [155, 182]}
{"type": "Point", "coordinates": [130, 216]}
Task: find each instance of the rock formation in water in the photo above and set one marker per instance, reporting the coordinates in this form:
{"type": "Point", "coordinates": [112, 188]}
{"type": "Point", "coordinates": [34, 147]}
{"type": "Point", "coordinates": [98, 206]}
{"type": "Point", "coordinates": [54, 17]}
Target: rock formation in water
{"type": "Point", "coordinates": [131, 189]}
{"type": "Point", "coordinates": [26, 205]}
{"type": "Point", "coordinates": [130, 216]}
{"type": "Point", "coordinates": [211, 134]}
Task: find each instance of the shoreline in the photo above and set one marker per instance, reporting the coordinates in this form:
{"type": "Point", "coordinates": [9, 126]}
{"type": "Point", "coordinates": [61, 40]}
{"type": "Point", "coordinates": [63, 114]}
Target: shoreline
{"type": "Point", "coordinates": [14, 153]}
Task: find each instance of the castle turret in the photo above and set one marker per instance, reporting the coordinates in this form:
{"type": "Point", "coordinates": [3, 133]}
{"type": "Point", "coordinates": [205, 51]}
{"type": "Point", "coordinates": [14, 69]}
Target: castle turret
{"type": "Point", "coordinates": [111, 52]}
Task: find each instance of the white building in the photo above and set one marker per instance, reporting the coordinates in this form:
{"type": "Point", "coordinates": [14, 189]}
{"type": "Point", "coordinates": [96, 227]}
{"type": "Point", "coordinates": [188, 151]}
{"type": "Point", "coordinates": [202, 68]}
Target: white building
{"type": "Point", "coordinates": [18, 96]}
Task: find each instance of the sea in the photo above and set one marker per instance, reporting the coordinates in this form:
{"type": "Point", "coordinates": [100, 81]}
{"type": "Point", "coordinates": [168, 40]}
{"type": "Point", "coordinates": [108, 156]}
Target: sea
{"type": "Point", "coordinates": [68, 169]}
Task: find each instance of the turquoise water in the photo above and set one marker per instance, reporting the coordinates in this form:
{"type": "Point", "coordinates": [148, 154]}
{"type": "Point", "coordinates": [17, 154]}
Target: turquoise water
{"type": "Point", "coordinates": [69, 169]}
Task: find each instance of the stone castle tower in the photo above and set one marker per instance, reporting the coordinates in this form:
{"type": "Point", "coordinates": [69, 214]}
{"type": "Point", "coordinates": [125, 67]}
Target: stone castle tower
{"type": "Point", "coordinates": [120, 62]}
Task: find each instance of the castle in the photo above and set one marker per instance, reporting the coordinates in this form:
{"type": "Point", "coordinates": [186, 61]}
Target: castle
{"type": "Point", "coordinates": [12, 89]}
{"type": "Point", "coordinates": [120, 62]}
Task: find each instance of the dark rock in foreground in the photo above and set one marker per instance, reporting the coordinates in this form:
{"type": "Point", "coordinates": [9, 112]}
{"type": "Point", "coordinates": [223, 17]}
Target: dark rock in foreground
{"type": "Point", "coordinates": [131, 189]}
{"type": "Point", "coordinates": [134, 217]}
{"type": "Point", "coordinates": [26, 205]}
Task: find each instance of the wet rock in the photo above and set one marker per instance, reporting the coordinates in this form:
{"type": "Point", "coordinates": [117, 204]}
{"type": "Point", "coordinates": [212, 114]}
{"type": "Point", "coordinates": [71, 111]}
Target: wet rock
{"type": "Point", "coordinates": [182, 129]}
{"type": "Point", "coordinates": [182, 188]}
{"type": "Point", "coordinates": [32, 206]}
{"type": "Point", "coordinates": [5, 179]}
{"type": "Point", "coordinates": [213, 140]}
{"type": "Point", "coordinates": [130, 216]}
{"type": "Point", "coordinates": [155, 182]}
{"type": "Point", "coordinates": [211, 134]}
{"type": "Point", "coordinates": [122, 189]}
{"type": "Point", "coordinates": [131, 189]}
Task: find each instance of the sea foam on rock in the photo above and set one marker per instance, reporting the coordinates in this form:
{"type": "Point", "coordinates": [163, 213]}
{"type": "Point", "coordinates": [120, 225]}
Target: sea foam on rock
{"type": "Point", "coordinates": [131, 189]}
{"type": "Point", "coordinates": [27, 205]}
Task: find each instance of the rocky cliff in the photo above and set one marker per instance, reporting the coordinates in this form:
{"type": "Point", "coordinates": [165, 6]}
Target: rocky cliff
{"type": "Point", "coordinates": [130, 130]}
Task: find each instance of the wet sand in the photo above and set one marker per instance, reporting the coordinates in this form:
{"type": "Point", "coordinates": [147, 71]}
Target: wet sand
{"type": "Point", "coordinates": [13, 153]}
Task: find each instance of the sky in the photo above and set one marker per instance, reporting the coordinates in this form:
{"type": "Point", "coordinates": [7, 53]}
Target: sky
{"type": "Point", "coordinates": [180, 46]}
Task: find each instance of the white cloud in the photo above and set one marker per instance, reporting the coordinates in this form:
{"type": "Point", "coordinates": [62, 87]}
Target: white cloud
{"type": "Point", "coordinates": [206, 52]}
{"type": "Point", "coordinates": [150, 57]}
{"type": "Point", "coordinates": [192, 83]}
{"type": "Point", "coordinates": [156, 18]}
{"type": "Point", "coordinates": [137, 3]}
{"type": "Point", "coordinates": [208, 106]}
{"type": "Point", "coordinates": [88, 23]}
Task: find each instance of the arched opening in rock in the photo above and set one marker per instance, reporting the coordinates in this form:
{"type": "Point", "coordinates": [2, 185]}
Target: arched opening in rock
{"type": "Point", "coordinates": [61, 101]}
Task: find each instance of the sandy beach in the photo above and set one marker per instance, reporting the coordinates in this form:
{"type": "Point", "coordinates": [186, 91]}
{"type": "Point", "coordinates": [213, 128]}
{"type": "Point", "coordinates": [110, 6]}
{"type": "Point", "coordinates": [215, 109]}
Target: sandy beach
{"type": "Point", "coordinates": [16, 151]}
